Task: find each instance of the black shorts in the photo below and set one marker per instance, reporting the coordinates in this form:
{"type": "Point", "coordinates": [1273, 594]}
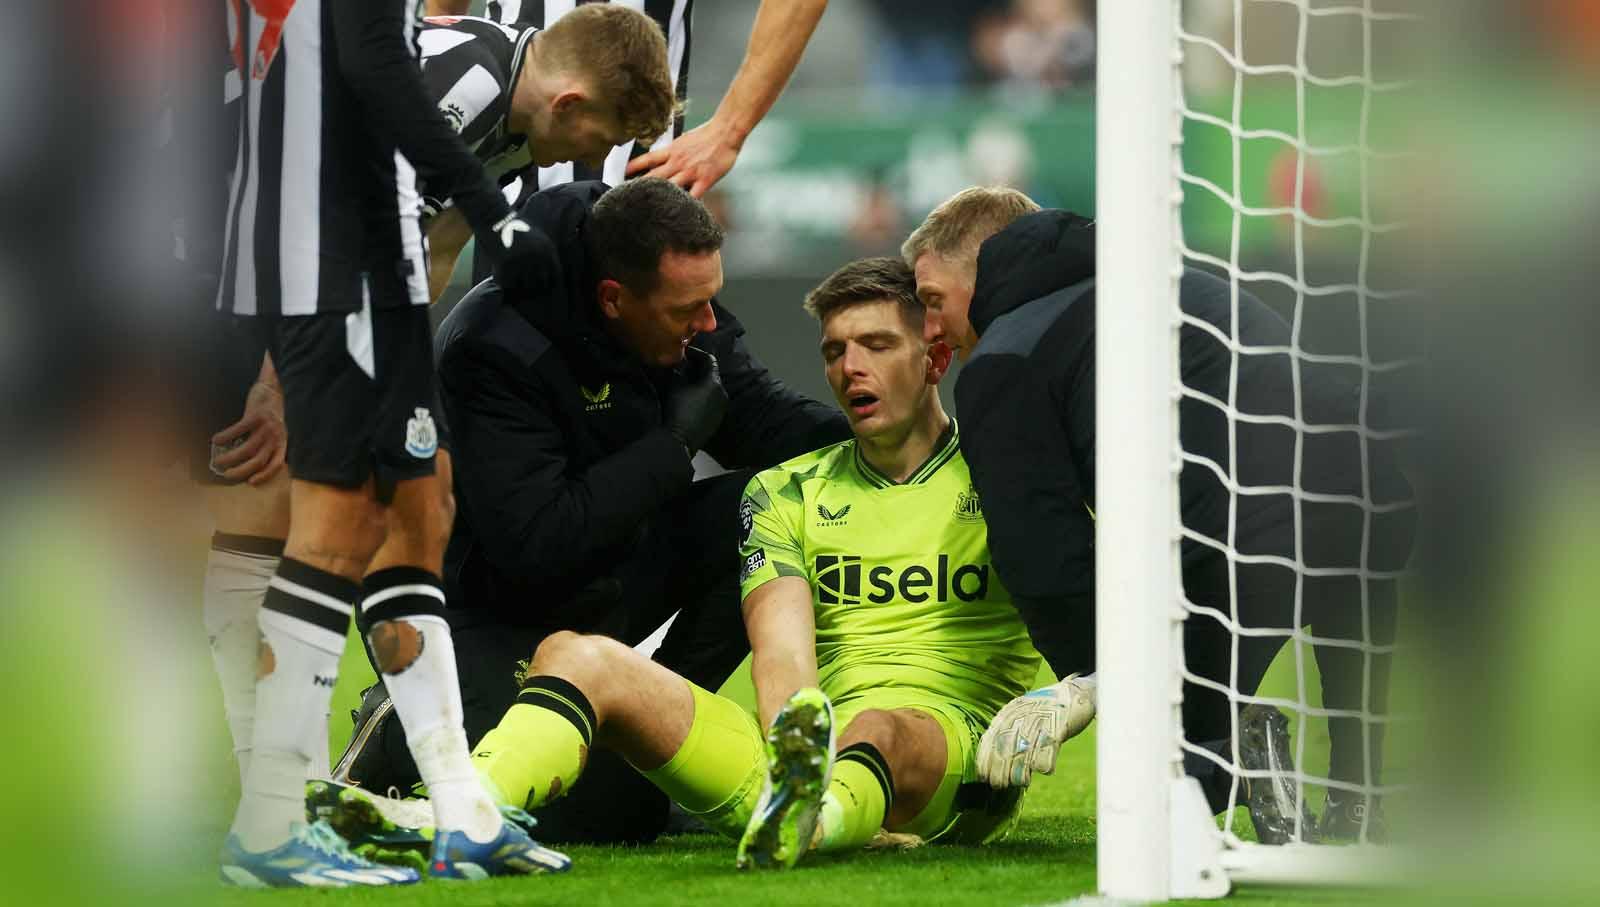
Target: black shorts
{"type": "Point", "coordinates": [359, 395]}
{"type": "Point", "coordinates": [225, 369]}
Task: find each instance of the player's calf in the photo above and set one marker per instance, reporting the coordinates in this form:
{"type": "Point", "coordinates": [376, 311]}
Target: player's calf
{"type": "Point", "coordinates": [582, 691]}
{"type": "Point", "coordinates": [417, 521]}
{"type": "Point", "coordinates": [890, 766]}
{"type": "Point", "coordinates": [910, 745]}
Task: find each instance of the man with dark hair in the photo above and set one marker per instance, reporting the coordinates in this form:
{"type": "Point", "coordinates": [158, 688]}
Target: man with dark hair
{"type": "Point", "coordinates": [574, 410]}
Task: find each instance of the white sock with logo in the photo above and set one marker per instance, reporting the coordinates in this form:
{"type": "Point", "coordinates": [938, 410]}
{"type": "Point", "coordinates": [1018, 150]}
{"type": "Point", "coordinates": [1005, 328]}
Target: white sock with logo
{"type": "Point", "coordinates": [301, 626]}
{"type": "Point", "coordinates": [427, 697]}
{"type": "Point", "coordinates": [236, 582]}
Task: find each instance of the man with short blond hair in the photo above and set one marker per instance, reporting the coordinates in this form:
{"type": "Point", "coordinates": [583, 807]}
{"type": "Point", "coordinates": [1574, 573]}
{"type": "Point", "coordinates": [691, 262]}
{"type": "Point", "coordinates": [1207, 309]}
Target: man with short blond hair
{"type": "Point", "coordinates": [1013, 289]}
{"type": "Point", "coordinates": [622, 54]}
{"type": "Point", "coordinates": [944, 254]}
{"type": "Point", "coordinates": [963, 221]}
{"type": "Point", "coordinates": [598, 77]}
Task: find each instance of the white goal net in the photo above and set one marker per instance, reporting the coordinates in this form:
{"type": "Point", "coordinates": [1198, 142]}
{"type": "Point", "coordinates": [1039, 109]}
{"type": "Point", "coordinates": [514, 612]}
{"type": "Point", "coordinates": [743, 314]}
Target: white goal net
{"type": "Point", "coordinates": [1258, 337]}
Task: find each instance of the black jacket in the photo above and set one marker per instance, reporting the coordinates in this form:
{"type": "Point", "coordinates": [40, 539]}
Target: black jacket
{"type": "Point", "coordinates": [560, 454]}
{"type": "Point", "coordinates": [1026, 399]}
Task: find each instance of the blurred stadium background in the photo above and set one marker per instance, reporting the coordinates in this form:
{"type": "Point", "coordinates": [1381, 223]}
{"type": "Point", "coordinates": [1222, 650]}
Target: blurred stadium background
{"type": "Point", "coordinates": [897, 105]}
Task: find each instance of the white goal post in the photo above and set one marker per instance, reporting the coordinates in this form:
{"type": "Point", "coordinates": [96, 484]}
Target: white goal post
{"type": "Point", "coordinates": [1156, 836]}
{"type": "Point", "coordinates": [1137, 135]}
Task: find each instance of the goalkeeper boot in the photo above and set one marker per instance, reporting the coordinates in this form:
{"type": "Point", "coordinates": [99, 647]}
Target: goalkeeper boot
{"type": "Point", "coordinates": [1345, 815]}
{"type": "Point", "coordinates": [313, 857]}
{"type": "Point", "coordinates": [512, 852]}
{"type": "Point", "coordinates": [799, 765]}
{"type": "Point", "coordinates": [379, 829]}
{"type": "Point", "coordinates": [1277, 808]}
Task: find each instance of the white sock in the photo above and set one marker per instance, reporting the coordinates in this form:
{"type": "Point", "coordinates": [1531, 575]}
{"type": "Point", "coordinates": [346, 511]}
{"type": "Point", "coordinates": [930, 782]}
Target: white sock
{"type": "Point", "coordinates": [427, 697]}
{"type": "Point", "coordinates": [299, 623]}
{"type": "Point", "coordinates": [235, 584]}
{"type": "Point", "coordinates": [320, 768]}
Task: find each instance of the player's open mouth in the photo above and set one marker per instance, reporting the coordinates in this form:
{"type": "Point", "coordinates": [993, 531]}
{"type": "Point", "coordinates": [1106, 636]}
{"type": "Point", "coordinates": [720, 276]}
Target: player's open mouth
{"type": "Point", "coordinates": [863, 404]}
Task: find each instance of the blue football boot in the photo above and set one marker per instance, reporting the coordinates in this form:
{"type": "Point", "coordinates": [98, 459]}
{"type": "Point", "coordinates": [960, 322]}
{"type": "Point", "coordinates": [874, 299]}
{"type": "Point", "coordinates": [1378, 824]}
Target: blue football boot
{"type": "Point", "coordinates": [512, 852]}
{"type": "Point", "coordinates": [313, 857]}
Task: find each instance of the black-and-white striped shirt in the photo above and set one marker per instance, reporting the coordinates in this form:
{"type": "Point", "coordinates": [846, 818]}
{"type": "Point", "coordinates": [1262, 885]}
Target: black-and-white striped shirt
{"type": "Point", "coordinates": [323, 211]}
{"type": "Point", "coordinates": [470, 67]}
{"type": "Point", "coordinates": [676, 20]}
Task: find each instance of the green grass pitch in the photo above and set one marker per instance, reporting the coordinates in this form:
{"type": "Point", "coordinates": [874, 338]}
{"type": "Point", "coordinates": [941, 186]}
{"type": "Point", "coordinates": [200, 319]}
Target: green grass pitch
{"type": "Point", "coordinates": [1048, 859]}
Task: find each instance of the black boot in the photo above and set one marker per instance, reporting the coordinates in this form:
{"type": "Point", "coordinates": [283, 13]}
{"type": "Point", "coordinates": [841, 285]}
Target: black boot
{"type": "Point", "coordinates": [369, 760]}
{"type": "Point", "coordinates": [1264, 747]}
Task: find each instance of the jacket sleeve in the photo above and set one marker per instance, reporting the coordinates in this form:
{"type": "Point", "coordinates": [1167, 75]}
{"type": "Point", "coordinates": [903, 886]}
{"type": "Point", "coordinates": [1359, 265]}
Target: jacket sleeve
{"type": "Point", "coordinates": [1041, 534]}
{"type": "Point", "coordinates": [767, 421]}
{"type": "Point", "coordinates": [378, 64]}
{"type": "Point", "coordinates": [534, 518]}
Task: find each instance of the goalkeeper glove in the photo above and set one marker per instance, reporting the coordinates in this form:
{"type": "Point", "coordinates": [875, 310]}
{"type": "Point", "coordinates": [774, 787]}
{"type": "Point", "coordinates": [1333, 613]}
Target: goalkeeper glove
{"type": "Point", "coordinates": [1026, 735]}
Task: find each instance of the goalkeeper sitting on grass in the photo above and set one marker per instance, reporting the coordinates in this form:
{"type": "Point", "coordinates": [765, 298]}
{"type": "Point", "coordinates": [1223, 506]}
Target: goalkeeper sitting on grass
{"type": "Point", "coordinates": [883, 642]}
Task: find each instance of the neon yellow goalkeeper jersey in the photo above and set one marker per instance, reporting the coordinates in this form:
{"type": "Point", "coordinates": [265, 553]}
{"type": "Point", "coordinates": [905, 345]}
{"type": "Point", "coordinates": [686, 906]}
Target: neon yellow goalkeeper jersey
{"type": "Point", "coordinates": [905, 596]}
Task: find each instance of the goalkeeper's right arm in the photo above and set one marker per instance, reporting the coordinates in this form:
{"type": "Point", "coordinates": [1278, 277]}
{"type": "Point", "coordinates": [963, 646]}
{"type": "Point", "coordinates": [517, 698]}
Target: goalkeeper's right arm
{"type": "Point", "coordinates": [779, 620]}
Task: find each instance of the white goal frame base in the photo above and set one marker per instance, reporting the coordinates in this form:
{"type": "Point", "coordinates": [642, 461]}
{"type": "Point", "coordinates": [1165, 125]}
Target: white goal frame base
{"type": "Point", "coordinates": [1205, 865]}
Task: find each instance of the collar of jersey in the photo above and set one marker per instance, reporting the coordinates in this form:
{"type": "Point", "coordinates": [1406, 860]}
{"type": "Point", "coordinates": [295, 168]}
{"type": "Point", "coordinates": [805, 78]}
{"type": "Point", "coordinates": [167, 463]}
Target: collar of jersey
{"type": "Point", "coordinates": [519, 56]}
{"type": "Point", "coordinates": [944, 450]}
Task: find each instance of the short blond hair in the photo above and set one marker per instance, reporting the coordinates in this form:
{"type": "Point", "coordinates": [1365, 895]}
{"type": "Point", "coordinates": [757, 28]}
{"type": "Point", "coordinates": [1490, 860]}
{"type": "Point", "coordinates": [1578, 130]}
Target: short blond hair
{"type": "Point", "coordinates": [954, 230]}
{"type": "Point", "coordinates": [622, 55]}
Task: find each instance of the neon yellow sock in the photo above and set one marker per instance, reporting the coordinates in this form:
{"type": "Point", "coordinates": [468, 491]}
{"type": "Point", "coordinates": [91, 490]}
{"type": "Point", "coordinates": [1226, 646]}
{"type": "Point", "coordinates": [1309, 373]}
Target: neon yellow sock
{"type": "Point", "coordinates": [857, 800]}
{"type": "Point", "coordinates": [539, 748]}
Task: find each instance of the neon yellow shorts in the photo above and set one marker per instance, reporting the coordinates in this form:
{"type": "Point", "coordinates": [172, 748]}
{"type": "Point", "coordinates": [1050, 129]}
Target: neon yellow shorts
{"type": "Point", "coordinates": [725, 753]}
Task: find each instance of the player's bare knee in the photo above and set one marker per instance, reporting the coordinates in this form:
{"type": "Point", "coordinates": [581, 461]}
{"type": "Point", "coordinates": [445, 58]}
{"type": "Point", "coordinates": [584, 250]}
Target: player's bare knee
{"type": "Point", "coordinates": [873, 726]}
{"type": "Point", "coordinates": [396, 645]}
{"type": "Point", "coordinates": [559, 651]}
{"type": "Point", "coordinates": [577, 658]}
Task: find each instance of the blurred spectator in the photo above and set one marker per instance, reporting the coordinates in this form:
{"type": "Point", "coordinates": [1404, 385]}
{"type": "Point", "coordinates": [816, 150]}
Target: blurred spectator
{"type": "Point", "coordinates": [878, 226]}
{"type": "Point", "coordinates": [1036, 46]}
{"type": "Point", "coordinates": [922, 44]}
{"type": "Point", "coordinates": [999, 154]}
